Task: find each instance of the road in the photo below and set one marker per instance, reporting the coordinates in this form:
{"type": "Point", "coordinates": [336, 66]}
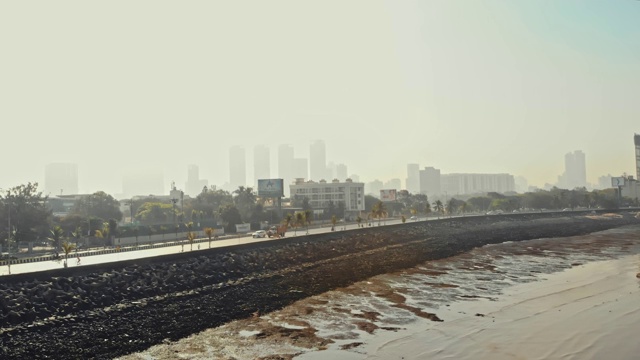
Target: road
{"type": "Point", "coordinates": [150, 252]}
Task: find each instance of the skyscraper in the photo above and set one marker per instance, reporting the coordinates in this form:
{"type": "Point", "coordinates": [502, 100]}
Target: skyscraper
{"type": "Point", "coordinates": [430, 181]}
{"type": "Point", "coordinates": [194, 184]}
{"type": "Point", "coordinates": [285, 164]}
{"type": "Point", "coordinates": [143, 181]}
{"type": "Point", "coordinates": [575, 173]}
{"type": "Point", "coordinates": [61, 178]}
{"type": "Point", "coordinates": [318, 161]}
{"type": "Point", "coordinates": [237, 167]}
{"type": "Point", "coordinates": [300, 168]}
{"type": "Point", "coordinates": [261, 163]}
{"type": "Point", "coordinates": [341, 172]}
{"type": "Point", "coordinates": [636, 140]}
{"type": "Point", "coordinates": [413, 178]}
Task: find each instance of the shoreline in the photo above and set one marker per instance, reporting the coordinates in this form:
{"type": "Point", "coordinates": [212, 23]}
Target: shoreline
{"type": "Point", "coordinates": [589, 311]}
{"type": "Point", "coordinates": [386, 317]}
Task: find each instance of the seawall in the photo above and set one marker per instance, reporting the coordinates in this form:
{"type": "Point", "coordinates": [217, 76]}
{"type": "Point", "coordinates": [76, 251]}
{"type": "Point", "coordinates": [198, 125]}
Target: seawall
{"type": "Point", "coordinates": [107, 310]}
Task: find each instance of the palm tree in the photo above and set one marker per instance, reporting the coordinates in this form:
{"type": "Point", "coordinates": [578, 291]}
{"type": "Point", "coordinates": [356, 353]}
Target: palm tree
{"type": "Point", "coordinates": [299, 220]}
{"type": "Point", "coordinates": [106, 229]}
{"type": "Point", "coordinates": [427, 209]}
{"type": "Point", "coordinates": [288, 221]}
{"type": "Point", "coordinates": [191, 236]}
{"type": "Point", "coordinates": [438, 207]}
{"type": "Point", "coordinates": [308, 216]}
{"type": "Point", "coordinates": [98, 234]}
{"type": "Point", "coordinates": [379, 211]}
{"type": "Point", "coordinates": [67, 248]}
{"type": "Point", "coordinates": [209, 232]}
{"type": "Point", "coordinates": [57, 234]}
{"type": "Point", "coordinates": [76, 235]}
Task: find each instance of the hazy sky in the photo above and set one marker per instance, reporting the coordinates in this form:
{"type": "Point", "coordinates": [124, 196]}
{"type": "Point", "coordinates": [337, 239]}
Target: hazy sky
{"type": "Point", "coordinates": [465, 86]}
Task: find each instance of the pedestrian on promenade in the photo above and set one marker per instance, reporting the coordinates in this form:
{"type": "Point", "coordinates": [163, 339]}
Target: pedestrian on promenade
{"type": "Point", "coordinates": [78, 260]}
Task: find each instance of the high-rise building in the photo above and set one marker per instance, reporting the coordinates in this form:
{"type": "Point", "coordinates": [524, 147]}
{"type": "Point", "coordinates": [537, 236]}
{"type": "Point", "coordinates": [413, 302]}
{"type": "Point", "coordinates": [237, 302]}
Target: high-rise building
{"type": "Point", "coordinates": [430, 181]}
{"type": "Point", "coordinates": [237, 167]}
{"type": "Point", "coordinates": [373, 188]}
{"type": "Point", "coordinates": [285, 163]}
{"type": "Point", "coordinates": [61, 179]}
{"type": "Point", "coordinates": [300, 169]}
{"type": "Point", "coordinates": [318, 161]}
{"type": "Point", "coordinates": [194, 184]}
{"type": "Point", "coordinates": [575, 173]}
{"type": "Point", "coordinates": [467, 184]}
{"type": "Point", "coordinates": [413, 178]}
{"type": "Point", "coordinates": [636, 140]}
{"type": "Point", "coordinates": [261, 163]}
{"type": "Point", "coordinates": [341, 172]}
{"type": "Point", "coordinates": [394, 184]}
{"type": "Point", "coordinates": [143, 181]}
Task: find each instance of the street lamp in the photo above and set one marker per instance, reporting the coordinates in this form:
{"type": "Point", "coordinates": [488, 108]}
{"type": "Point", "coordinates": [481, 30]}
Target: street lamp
{"type": "Point", "coordinates": [175, 224]}
{"type": "Point", "coordinates": [9, 231]}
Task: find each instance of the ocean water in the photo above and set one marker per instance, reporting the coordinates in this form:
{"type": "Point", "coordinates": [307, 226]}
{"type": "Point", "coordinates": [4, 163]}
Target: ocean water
{"type": "Point", "coordinates": [358, 321]}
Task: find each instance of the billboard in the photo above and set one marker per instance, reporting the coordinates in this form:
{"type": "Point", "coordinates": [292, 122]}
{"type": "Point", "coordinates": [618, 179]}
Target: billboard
{"type": "Point", "coordinates": [388, 195]}
{"type": "Point", "coordinates": [271, 187]}
{"type": "Point", "coordinates": [617, 181]}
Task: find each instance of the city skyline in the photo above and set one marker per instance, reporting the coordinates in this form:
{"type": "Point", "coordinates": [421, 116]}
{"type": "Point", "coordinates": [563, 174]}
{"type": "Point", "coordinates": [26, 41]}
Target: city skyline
{"type": "Point", "coordinates": [424, 176]}
{"type": "Point", "coordinates": [488, 87]}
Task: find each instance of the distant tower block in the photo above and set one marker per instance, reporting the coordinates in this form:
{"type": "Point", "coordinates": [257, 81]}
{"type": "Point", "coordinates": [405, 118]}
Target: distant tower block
{"type": "Point", "coordinates": [636, 140]}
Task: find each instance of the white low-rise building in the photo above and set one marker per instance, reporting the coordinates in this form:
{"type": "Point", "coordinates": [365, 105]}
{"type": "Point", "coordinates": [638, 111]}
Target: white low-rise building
{"type": "Point", "coordinates": [321, 194]}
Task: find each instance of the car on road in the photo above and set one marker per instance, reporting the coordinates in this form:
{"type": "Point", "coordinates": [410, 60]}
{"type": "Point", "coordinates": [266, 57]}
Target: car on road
{"type": "Point", "coordinates": [413, 218]}
{"type": "Point", "coordinates": [259, 234]}
{"type": "Point", "coordinates": [6, 256]}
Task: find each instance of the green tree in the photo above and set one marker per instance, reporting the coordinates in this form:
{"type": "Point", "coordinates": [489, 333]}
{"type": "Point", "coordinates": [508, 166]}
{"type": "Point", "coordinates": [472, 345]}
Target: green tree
{"type": "Point", "coordinates": [230, 216]}
{"type": "Point", "coordinates": [155, 213]}
{"type": "Point", "coordinates": [56, 237]}
{"type": "Point", "coordinates": [67, 248]}
{"type": "Point", "coordinates": [369, 202]}
{"type": "Point", "coordinates": [287, 220]}
{"type": "Point", "coordinates": [25, 206]}
{"type": "Point", "coordinates": [379, 211]}
{"type": "Point", "coordinates": [100, 205]}
{"type": "Point", "coordinates": [438, 207]}
{"type": "Point", "coordinates": [245, 199]}
{"type": "Point", "coordinates": [334, 220]}
{"type": "Point", "coordinates": [209, 201]}
{"type": "Point", "coordinates": [359, 220]}
{"type": "Point", "coordinates": [308, 217]}
{"type": "Point", "coordinates": [299, 220]}
{"type": "Point", "coordinates": [427, 209]}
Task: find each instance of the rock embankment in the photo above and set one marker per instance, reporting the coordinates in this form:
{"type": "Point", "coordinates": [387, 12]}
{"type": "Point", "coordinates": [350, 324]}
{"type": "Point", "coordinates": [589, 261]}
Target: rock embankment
{"type": "Point", "coordinates": [115, 309]}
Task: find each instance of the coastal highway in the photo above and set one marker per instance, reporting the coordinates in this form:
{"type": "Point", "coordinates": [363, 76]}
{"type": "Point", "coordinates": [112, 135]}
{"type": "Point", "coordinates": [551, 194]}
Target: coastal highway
{"type": "Point", "coordinates": [185, 246]}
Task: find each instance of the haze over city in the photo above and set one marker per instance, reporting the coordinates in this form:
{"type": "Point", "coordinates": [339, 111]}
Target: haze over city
{"type": "Point", "coordinates": [491, 87]}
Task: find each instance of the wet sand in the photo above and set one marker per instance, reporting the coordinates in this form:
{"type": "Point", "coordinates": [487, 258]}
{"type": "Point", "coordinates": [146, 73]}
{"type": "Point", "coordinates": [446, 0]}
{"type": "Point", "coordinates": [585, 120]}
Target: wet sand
{"type": "Point", "coordinates": [573, 298]}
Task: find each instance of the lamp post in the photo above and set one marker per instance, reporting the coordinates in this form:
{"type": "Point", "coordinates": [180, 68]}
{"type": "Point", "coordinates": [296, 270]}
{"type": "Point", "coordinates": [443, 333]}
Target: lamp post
{"type": "Point", "coordinates": [175, 225]}
{"type": "Point", "coordinates": [9, 231]}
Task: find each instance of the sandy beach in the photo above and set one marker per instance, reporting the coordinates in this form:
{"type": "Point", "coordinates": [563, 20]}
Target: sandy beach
{"type": "Point", "coordinates": [569, 298]}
